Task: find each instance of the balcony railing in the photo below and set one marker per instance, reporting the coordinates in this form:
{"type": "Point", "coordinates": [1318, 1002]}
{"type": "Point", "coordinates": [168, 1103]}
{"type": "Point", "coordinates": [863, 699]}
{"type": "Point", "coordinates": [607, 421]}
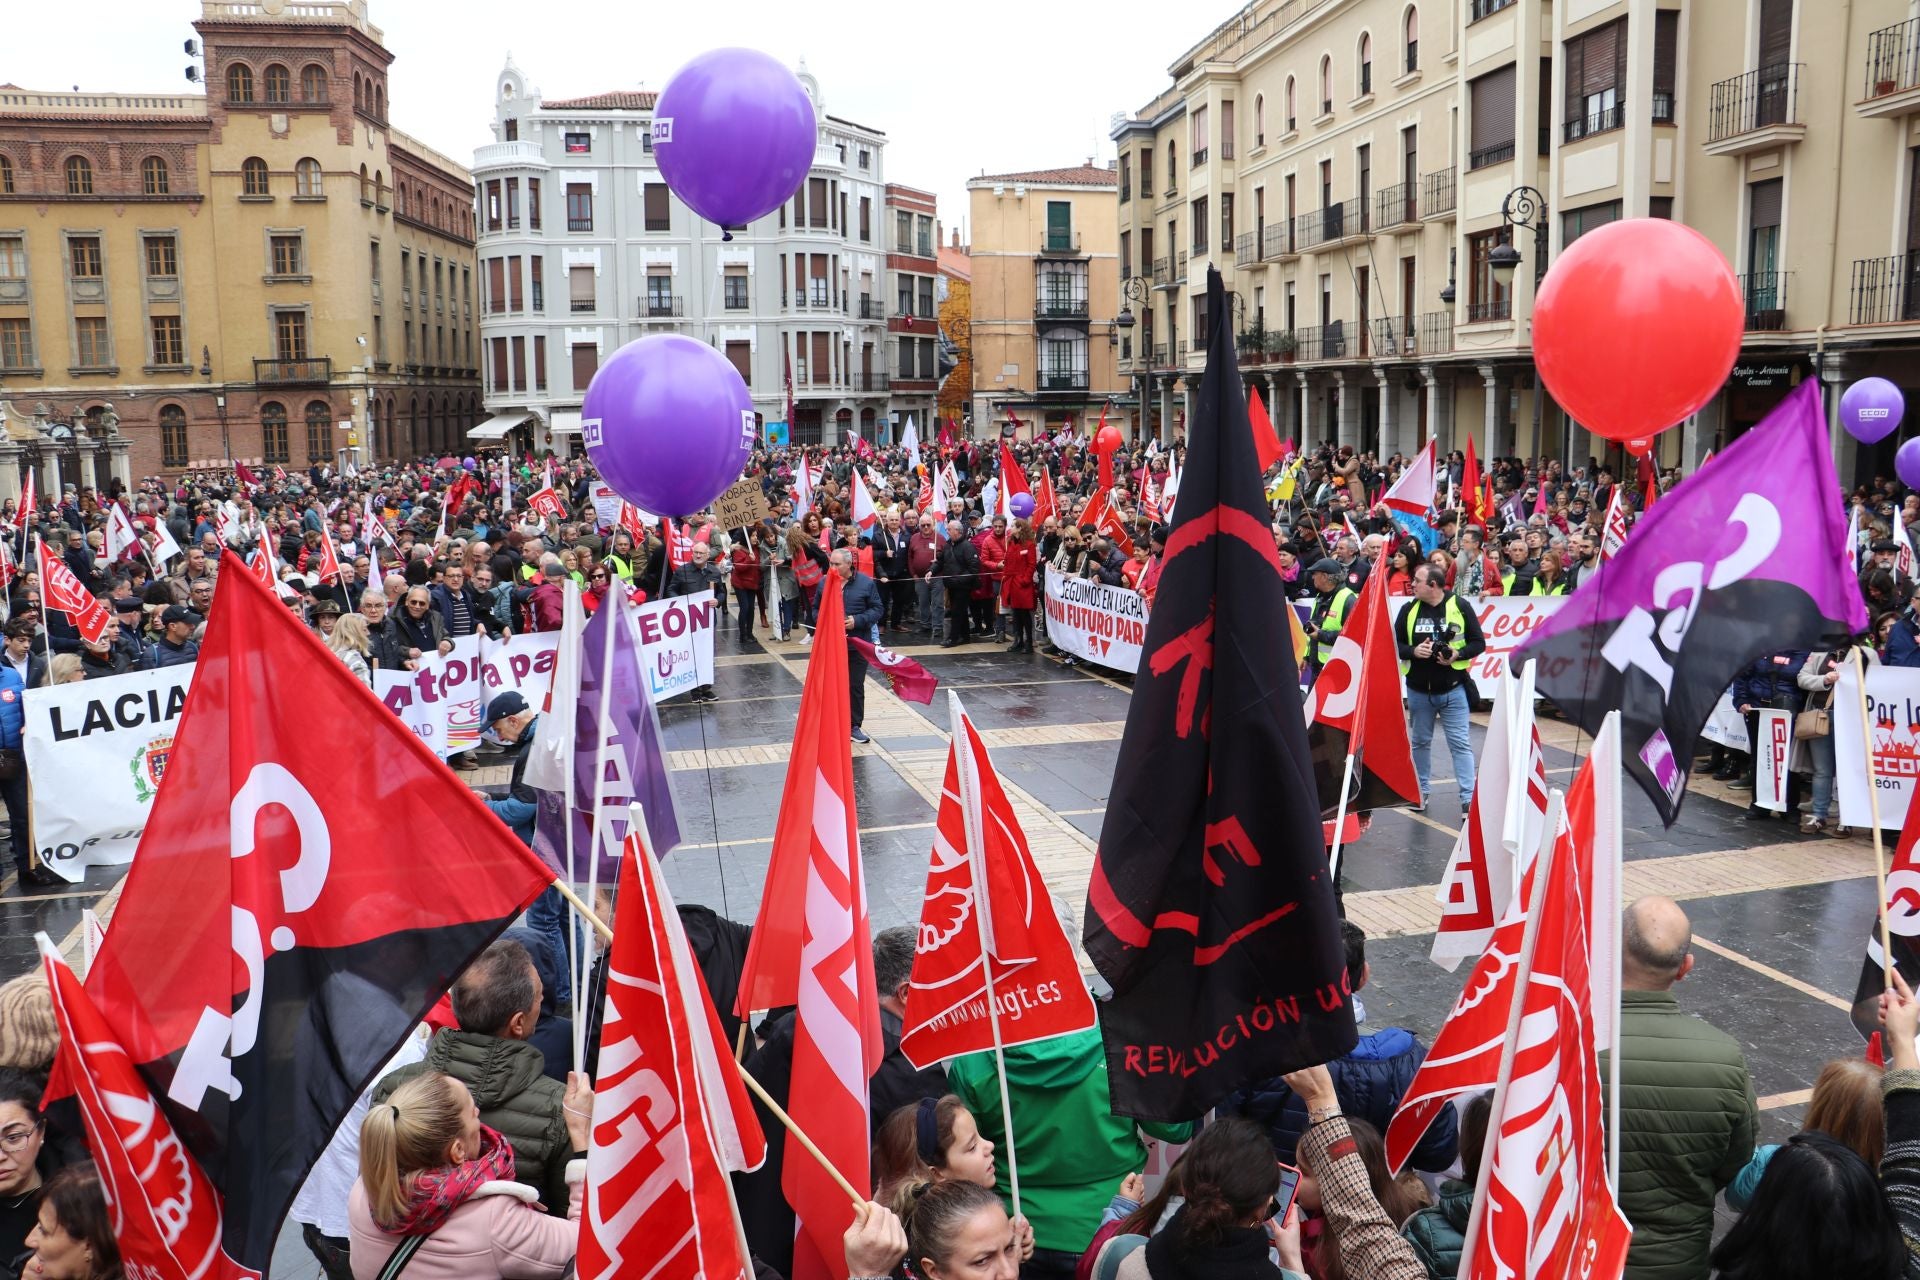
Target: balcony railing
{"type": "Point", "coordinates": [1160, 355]}
{"type": "Point", "coordinates": [1893, 59]}
{"type": "Point", "coordinates": [1496, 154]}
{"type": "Point", "coordinates": [1161, 270]}
{"type": "Point", "coordinates": [1180, 267]}
{"type": "Point", "coordinates": [1481, 312]}
{"type": "Point", "coordinates": [1126, 192]}
{"type": "Point", "coordinates": [661, 306]}
{"type": "Point", "coordinates": [1884, 290]}
{"type": "Point", "coordinates": [1481, 8]}
{"type": "Point", "coordinates": [1601, 121]}
{"type": "Point", "coordinates": [1321, 342]}
{"type": "Point", "coordinates": [1437, 194]}
{"type": "Point", "coordinates": [1766, 295]}
{"type": "Point", "coordinates": [1060, 309]}
{"type": "Point", "coordinates": [1396, 205]}
{"type": "Point", "coordinates": [1246, 249]}
{"type": "Point", "coordinates": [1059, 242]}
{"type": "Point", "coordinates": [1757, 100]}
{"type": "Point", "coordinates": [1335, 222]}
{"type": "Point", "coordinates": [1063, 380]}
{"type": "Point", "coordinates": [293, 373]}
{"type": "Point", "coordinates": [1395, 338]}
{"type": "Point", "coordinates": [1277, 240]}
{"type": "Point", "coordinates": [872, 309]}
{"type": "Point", "coordinates": [871, 380]}
{"type": "Point", "coordinates": [1436, 333]}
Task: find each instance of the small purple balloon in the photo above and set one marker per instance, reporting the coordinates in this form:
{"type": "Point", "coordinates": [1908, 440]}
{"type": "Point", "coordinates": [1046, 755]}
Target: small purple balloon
{"type": "Point", "coordinates": [733, 133]}
{"type": "Point", "coordinates": [1021, 505]}
{"type": "Point", "coordinates": [1871, 409]}
{"type": "Point", "coordinates": [1906, 463]}
{"type": "Point", "coordinates": [669, 424]}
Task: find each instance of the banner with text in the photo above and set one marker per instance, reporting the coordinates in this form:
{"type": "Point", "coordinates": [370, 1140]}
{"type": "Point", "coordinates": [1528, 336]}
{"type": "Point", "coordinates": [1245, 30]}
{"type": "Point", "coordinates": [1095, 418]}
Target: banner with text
{"type": "Point", "coordinates": [1893, 696]}
{"type": "Point", "coordinates": [96, 752]}
{"type": "Point", "coordinates": [1094, 621]}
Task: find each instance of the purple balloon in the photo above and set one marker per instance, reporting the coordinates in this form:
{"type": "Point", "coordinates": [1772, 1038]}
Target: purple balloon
{"type": "Point", "coordinates": [1021, 505]}
{"type": "Point", "coordinates": [1906, 464]}
{"type": "Point", "coordinates": [1871, 409]}
{"type": "Point", "coordinates": [733, 133]}
{"type": "Point", "coordinates": [669, 424]}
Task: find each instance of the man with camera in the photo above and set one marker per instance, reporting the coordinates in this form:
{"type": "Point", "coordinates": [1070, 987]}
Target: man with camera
{"type": "Point", "coordinates": [1438, 638]}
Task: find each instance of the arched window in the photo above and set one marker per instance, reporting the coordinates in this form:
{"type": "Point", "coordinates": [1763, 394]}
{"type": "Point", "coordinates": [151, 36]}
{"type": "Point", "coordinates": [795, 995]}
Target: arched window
{"type": "Point", "coordinates": [380, 185]}
{"type": "Point", "coordinates": [1412, 27]}
{"type": "Point", "coordinates": [306, 178]}
{"type": "Point", "coordinates": [379, 102]}
{"type": "Point", "coordinates": [1326, 84]}
{"type": "Point", "coordinates": [313, 83]}
{"type": "Point", "coordinates": [359, 93]}
{"type": "Point", "coordinates": [153, 176]}
{"type": "Point", "coordinates": [366, 186]}
{"type": "Point", "coordinates": [239, 83]}
{"type": "Point", "coordinates": [319, 416]}
{"type": "Point", "coordinates": [373, 429]}
{"type": "Point", "coordinates": [1173, 166]}
{"type": "Point", "coordinates": [79, 176]}
{"type": "Point", "coordinates": [273, 432]}
{"type": "Point", "coordinates": [253, 177]}
{"type": "Point", "coordinates": [413, 425]}
{"type": "Point", "coordinates": [6, 176]}
{"type": "Point", "coordinates": [400, 200]}
{"type": "Point", "coordinates": [1293, 114]}
{"type": "Point", "coordinates": [173, 436]}
{"type": "Point", "coordinates": [433, 212]}
{"type": "Point", "coordinates": [279, 84]}
{"type": "Point", "coordinates": [1259, 120]}
{"type": "Point", "coordinates": [1366, 63]}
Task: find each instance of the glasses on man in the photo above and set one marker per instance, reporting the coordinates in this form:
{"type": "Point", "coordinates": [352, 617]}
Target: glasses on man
{"type": "Point", "coordinates": [15, 1138]}
{"type": "Point", "coordinates": [416, 604]}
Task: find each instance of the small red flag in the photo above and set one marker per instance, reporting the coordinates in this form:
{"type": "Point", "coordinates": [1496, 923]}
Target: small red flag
{"type": "Point", "coordinates": [544, 502]}
{"type": "Point", "coordinates": [1357, 694]}
{"type": "Point", "coordinates": [1653, 491]}
{"type": "Point", "coordinates": [244, 474]}
{"type": "Point", "coordinates": [1045, 503]}
{"type": "Point", "coordinates": [907, 678]}
{"type": "Point", "coordinates": [1266, 442]}
{"type": "Point", "coordinates": [329, 569]}
{"type": "Point", "coordinates": [62, 592]}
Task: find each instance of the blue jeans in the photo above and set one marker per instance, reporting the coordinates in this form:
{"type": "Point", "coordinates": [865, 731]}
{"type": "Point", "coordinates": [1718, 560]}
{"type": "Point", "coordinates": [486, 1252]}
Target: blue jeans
{"type": "Point", "coordinates": [932, 599]}
{"type": "Point", "coordinates": [1821, 750]}
{"type": "Point", "coordinates": [1451, 710]}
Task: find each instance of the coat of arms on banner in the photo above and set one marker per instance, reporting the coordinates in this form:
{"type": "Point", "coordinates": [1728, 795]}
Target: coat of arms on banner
{"type": "Point", "coordinates": [148, 766]}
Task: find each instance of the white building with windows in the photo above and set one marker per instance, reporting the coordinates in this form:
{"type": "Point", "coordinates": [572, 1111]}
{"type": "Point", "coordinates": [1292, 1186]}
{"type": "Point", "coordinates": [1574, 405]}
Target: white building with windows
{"type": "Point", "coordinates": [582, 249]}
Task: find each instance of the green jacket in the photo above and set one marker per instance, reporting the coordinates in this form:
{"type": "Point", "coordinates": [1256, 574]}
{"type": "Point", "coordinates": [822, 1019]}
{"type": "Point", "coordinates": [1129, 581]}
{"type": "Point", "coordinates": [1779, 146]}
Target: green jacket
{"type": "Point", "coordinates": [1073, 1151]}
{"type": "Point", "coordinates": [1439, 1232]}
{"type": "Point", "coordinates": [508, 1082]}
{"type": "Point", "coordinates": [1687, 1123]}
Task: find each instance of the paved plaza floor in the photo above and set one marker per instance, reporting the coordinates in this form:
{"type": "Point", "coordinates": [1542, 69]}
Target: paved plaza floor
{"type": "Point", "coordinates": [1779, 920]}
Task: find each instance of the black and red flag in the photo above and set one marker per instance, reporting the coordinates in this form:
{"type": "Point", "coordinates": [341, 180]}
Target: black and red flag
{"type": "Point", "coordinates": [1210, 910]}
{"type": "Point", "coordinates": [310, 882]}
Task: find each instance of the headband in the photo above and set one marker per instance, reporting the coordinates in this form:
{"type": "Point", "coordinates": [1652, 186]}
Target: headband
{"type": "Point", "coordinates": [926, 1131]}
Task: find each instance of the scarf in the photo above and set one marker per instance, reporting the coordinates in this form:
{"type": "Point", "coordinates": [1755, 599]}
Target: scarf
{"type": "Point", "coordinates": [1242, 1255]}
{"type": "Point", "coordinates": [436, 1193]}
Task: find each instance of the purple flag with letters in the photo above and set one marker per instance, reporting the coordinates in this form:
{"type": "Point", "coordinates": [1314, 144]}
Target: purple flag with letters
{"type": "Point", "coordinates": [1737, 562]}
{"type": "Point", "coordinates": [633, 762]}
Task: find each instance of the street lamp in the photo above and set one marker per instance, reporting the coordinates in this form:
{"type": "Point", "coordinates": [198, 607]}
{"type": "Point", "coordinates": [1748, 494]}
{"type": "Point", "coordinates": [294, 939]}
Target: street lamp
{"type": "Point", "coordinates": [219, 401]}
{"type": "Point", "coordinates": [1137, 289]}
{"type": "Point", "coordinates": [1523, 207]}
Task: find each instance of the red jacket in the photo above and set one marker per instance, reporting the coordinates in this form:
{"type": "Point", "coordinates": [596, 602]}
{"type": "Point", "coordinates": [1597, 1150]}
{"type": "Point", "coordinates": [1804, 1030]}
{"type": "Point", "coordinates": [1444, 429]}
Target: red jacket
{"type": "Point", "coordinates": [993, 555]}
{"type": "Point", "coordinates": [746, 567]}
{"type": "Point", "coordinates": [1016, 575]}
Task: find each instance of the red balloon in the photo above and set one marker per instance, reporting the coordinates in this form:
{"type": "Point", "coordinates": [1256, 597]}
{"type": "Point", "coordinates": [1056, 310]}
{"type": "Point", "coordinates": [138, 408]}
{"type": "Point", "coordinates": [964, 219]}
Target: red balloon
{"type": "Point", "coordinates": [1106, 440]}
{"type": "Point", "coordinates": [1636, 326]}
{"type": "Point", "coordinates": [1639, 445]}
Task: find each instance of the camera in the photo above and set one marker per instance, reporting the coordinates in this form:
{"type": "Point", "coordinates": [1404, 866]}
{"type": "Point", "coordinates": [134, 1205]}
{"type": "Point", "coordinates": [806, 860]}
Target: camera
{"type": "Point", "coordinates": [1443, 644]}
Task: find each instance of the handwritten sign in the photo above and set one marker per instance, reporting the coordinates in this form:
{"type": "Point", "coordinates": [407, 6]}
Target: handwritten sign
{"type": "Point", "coordinates": [742, 505]}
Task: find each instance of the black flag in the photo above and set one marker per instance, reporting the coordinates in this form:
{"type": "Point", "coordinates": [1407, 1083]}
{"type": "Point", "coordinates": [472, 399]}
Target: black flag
{"type": "Point", "coordinates": [1210, 909]}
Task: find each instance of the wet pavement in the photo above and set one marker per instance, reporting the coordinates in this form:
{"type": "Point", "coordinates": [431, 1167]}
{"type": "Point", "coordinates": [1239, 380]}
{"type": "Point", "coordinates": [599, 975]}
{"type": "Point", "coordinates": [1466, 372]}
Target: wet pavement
{"type": "Point", "coordinates": [1780, 921]}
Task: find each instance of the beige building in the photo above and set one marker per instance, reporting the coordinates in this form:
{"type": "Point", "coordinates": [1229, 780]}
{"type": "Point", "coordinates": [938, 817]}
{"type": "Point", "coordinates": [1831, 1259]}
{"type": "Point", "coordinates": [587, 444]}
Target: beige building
{"type": "Point", "coordinates": [1358, 169]}
{"type": "Point", "coordinates": [1044, 346]}
{"type": "Point", "coordinates": [186, 279]}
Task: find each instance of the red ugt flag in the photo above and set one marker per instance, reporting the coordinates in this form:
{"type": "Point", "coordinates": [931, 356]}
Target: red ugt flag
{"type": "Point", "coordinates": [979, 852]}
{"type": "Point", "coordinates": [61, 591]}
{"type": "Point", "coordinates": [671, 1118]}
{"type": "Point", "coordinates": [1354, 709]}
{"type": "Point", "coordinates": [907, 678]}
{"type": "Point", "coordinates": [166, 1217]}
{"type": "Point", "coordinates": [261, 1002]}
{"type": "Point", "coordinates": [1045, 503]}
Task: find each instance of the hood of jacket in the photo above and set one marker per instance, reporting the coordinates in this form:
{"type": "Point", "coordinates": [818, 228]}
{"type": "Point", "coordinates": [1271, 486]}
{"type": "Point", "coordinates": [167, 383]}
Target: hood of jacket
{"type": "Point", "coordinates": [1058, 1063]}
{"type": "Point", "coordinates": [493, 1069]}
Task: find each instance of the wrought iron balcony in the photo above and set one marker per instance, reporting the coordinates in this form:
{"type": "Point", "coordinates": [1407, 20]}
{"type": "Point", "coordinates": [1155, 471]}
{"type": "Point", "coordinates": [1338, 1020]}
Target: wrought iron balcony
{"type": "Point", "coordinates": [1395, 338]}
{"type": "Point", "coordinates": [1893, 70]}
{"type": "Point", "coordinates": [1045, 308]}
{"type": "Point", "coordinates": [1396, 205]}
{"type": "Point", "coordinates": [1162, 270]}
{"type": "Point", "coordinates": [1063, 380]}
{"type": "Point", "coordinates": [872, 309]}
{"type": "Point", "coordinates": [1436, 334]}
{"type": "Point", "coordinates": [1438, 193]}
{"type": "Point", "coordinates": [1498, 153]}
{"type": "Point", "coordinates": [1483, 312]}
{"type": "Point", "coordinates": [1180, 267]}
{"type": "Point", "coordinates": [1059, 242]}
{"type": "Point", "coordinates": [1602, 121]}
{"type": "Point", "coordinates": [1322, 342]}
{"type": "Point", "coordinates": [1332, 224]}
{"type": "Point", "coordinates": [1246, 249]}
{"type": "Point", "coordinates": [661, 306]}
{"type": "Point", "coordinates": [1755, 110]}
{"type": "Point", "coordinates": [1883, 290]}
{"type": "Point", "coordinates": [1276, 240]}
{"type": "Point", "coordinates": [1766, 296]}
{"type": "Point", "coordinates": [317, 372]}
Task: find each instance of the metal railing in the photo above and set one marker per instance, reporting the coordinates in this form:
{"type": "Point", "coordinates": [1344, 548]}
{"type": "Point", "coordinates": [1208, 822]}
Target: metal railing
{"type": "Point", "coordinates": [1277, 240]}
{"type": "Point", "coordinates": [1321, 342]}
{"type": "Point", "coordinates": [1335, 222]}
{"type": "Point", "coordinates": [1766, 297]}
{"type": "Point", "coordinates": [1180, 267]}
{"type": "Point", "coordinates": [1397, 204]}
{"type": "Point", "coordinates": [1438, 192]}
{"type": "Point", "coordinates": [1496, 154]}
{"type": "Point", "coordinates": [657, 306]}
{"type": "Point", "coordinates": [872, 309]}
{"type": "Point", "coordinates": [1893, 59]}
{"type": "Point", "coordinates": [1246, 248]}
{"type": "Point", "coordinates": [1160, 355]}
{"type": "Point", "coordinates": [1060, 308]}
{"type": "Point", "coordinates": [1883, 290]}
{"type": "Point", "coordinates": [1161, 269]}
{"type": "Point", "coordinates": [1436, 333]}
{"type": "Point", "coordinates": [317, 371]}
{"type": "Point", "coordinates": [1126, 192]}
{"type": "Point", "coordinates": [874, 381]}
{"type": "Point", "coordinates": [1482, 8]}
{"type": "Point", "coordinates": [1199, 158]}
{"type": "Point", "coordinates": [1395, 338]}
{"type": "Point", "coordinates": [1479, 312]}
{"type": "Point", "coordinates": [1063, 380]}
{"type": "Point", "coordinates": [1054, 242]}
{"type": "Point", "coordinates": [1756, 100]}
{"type": "Point", "coordinates": [1601, 121]}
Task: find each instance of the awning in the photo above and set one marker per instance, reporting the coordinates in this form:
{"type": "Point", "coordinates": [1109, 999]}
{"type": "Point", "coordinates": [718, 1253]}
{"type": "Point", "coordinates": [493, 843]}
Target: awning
{"type": "Point", "coordinates": [564, 422]}
{"type": "Point", "coordinates": [496, 427]}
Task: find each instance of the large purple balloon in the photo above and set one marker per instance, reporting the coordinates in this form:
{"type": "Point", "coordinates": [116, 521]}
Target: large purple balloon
{"type": "Point", "coordinates": [1871, 410]}
{"type": "Point", "coordinates": [1022, 505]}
{"type": "Point", "coordinates": [733, 133]}
{"type": "Point", "coordinates": [669, 424]}
{"type": "Point", "coordinates": [1906, 464]}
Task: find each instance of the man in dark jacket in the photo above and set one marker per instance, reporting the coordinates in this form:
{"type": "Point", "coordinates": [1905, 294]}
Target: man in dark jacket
{"type": "Point", "coordinates": [1112, 568]}
{"type": "Point", "coordinates": [1687, 1110]}
{"type": "Point", "coordinates": [174, 648]}
{"type": "Point", "coordinates": [1370, 1080]}
{"type": "Point", "coordinates": [861, 597]}
{"type": "Point", "coordinates": [959, 566]}
{"type": "Point", "coordinates": [764, 1210]}
{"type": "Point", "coordinates": [690, 579]}
{"type": "Point", "coordinates": [497, 1001]}
{"type": "Point", "coordinates": [1769, 683]}
{"type": "Point", "coordinates": [890, 569]}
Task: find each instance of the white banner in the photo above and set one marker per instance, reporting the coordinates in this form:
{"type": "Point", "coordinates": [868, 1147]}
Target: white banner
{"type": "Point", "coordinates": [606, 506]}
{"type": "Point", "coordinates": [96, 752]}
{"type": "Point", "coordinates": [445, 699]}
{"type": "Point", "coordinates": [1770, 763]}
{"type": "Point", "coordinates": [1094, 621]}
{"type": "Point", "coordinates": [1893, 694]}
{"type": "Point", "coordinates": [1505, 622]}
{"type": "Point", "coordinates": [1726, 725]}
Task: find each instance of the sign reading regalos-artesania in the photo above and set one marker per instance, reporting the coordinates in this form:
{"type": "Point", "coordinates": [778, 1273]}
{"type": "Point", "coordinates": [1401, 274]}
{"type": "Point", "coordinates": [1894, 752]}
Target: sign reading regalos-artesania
{"type": "Point", "coordinates": [1092, 620]}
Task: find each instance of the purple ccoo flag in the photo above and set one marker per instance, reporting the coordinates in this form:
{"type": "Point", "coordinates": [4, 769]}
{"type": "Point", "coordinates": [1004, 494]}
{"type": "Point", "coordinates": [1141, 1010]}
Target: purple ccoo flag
{"type": "Point", "coordinates": [1737, 562]}
{"type": "Point", "coordinates": [634, 756]}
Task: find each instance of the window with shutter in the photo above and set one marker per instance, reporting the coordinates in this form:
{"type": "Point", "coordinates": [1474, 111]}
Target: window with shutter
{"type": "Point", "coordinates": [497, 359]}
{"type": "Point", "coordinates": [1776, 32]}
{"type": "Point", "coordinates": [1226, 129]}
{"type": "Point", "coordinates": [1666, 48]}
{"type": "Point", "coordinates": [1596, 80]}
{"type": "Point", "coordinates": [740, 355]}
{"type": "Point", "coordinates": [1763, 226]}
{"type": "Point", "coordinates": [658, 214]}
{"type": "Point", "coordinates": [496, 285]}
{"type": "Point", "coordinates": [586, 363]}
{"type": "Point", "coordinates": [1059, 226]}
{"type": "Point", "coordinates": [816, 202]}
{"type": "Point", "coordinates": [539, 360]}
{"type": "Point", "coordinates": [1492, 105]}
{"type": "Point", "coordinates": [580, 291]}
{"type": "Point", "coordinates": [515, 302]}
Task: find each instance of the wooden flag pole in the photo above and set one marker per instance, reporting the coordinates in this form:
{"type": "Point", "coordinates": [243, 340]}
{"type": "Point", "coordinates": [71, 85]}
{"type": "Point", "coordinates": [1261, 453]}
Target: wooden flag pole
{"type": "Point", "coordinates": [1340, 820]}
{"type": "Point", "coordinates": [1873, 799]}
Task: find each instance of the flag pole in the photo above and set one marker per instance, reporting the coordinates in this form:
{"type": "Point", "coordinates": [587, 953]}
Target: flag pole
{"type": "Point", "coordinates": [976, 858]}
{"type": "Point", "coordinates": [1873, 798]}
{"type": "Point", "coordinates": [577, 969]}
{"type": "Point", "coordinates": [780, 1114]}
{"type": "Point", "coordinates": [1542, 863]}
{"type": "Point", "coordinates": [603, 729]}
{"type": "Point", "coordinates": [1617, 924]}
{"type": "Point", "coordinates": [1340, 819]}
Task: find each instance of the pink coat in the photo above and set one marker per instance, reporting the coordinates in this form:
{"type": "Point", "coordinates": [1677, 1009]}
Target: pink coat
{"type": "Point", "coordinates": [499, 1234]}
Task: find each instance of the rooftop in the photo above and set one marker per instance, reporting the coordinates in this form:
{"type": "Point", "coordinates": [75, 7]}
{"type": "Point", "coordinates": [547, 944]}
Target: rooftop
{"type": "Point", "coordinates": [618, 100]}
{"type": "Point", "coordinates": [1080, 175]}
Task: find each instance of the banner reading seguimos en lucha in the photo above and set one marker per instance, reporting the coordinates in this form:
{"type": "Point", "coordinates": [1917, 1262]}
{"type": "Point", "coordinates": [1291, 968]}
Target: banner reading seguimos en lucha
{"type": "Point", "coordinates": [1094, 621]}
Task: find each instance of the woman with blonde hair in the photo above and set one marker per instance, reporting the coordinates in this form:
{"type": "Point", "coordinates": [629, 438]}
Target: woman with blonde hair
{"type": "Point", "coordinates": [1846, 1106]}
{"type": "Point", "coordinates": [350, 643]}
{"type": "Point", "coordinates": [437, 1184]}
{"type": "Point", "coordinates": [65, 668]}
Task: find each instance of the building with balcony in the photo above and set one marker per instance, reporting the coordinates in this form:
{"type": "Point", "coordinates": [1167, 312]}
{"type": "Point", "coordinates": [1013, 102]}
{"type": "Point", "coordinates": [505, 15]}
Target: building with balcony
{"type": "Point", "coordinates": [1348, 165]}
{"type": "Point", "coordinates": [1044, 258]}
{"type": "Point", "coordinates": [583, 249]}
{"type": "Point", "coordinates": [269, 271]}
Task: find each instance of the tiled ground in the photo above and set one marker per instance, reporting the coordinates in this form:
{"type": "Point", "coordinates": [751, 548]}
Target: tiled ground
{"type": "Point", "coordinates": [1780, 921]}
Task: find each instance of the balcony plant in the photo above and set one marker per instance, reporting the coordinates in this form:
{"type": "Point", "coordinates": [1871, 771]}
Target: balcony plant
{"type": "Point", "coordinates": [1253, 343]}
{"type": "Point", "coordinates": [1282, 343]}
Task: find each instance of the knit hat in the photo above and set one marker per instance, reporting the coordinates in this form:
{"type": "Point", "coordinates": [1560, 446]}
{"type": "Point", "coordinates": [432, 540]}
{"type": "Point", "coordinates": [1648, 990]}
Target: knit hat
{"type": "Point", "coordinates": [28, 1037]}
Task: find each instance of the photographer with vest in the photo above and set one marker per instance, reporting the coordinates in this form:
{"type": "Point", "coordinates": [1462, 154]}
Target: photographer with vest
{"type": "Point", "coordinates": [1332, 601]}
{"type": "Point", "coordinates": [1439, 637]}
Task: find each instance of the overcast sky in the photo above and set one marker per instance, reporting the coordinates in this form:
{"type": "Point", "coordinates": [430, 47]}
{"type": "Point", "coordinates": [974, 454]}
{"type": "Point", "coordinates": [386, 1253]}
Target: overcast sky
{"type": "Point", "coordinates": [990, 84]}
